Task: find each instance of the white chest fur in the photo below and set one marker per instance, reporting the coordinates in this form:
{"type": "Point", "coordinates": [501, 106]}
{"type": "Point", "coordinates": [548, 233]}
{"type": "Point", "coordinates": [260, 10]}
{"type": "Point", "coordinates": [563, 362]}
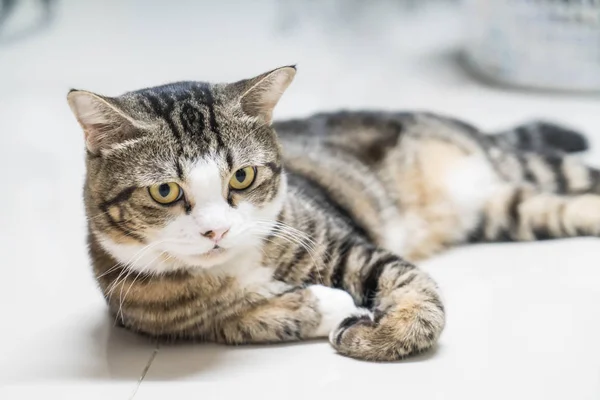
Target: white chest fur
{"type": "Point", "coordinates": [251, 275]}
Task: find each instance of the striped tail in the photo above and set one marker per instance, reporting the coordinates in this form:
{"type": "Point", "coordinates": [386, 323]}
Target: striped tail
{"type": "Point", "coordinates": [558, 174]}
{"type": "Point", "coordinates": [524, 214]}
{"type": "Point", "coordinates": [543, 137]}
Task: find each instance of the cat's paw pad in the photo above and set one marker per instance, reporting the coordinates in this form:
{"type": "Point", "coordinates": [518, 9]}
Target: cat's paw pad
{"type": "Point", "coordinates": [362, 317]}
{"type": "Point", "coordinates": [334, 305]}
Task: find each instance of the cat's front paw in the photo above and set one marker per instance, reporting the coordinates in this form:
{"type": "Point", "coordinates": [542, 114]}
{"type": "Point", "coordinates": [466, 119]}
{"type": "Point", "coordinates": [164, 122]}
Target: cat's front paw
{"type": "Point", "coordinates": [334, 305]}
{"type": "Point", "coordinates": [362, 317]}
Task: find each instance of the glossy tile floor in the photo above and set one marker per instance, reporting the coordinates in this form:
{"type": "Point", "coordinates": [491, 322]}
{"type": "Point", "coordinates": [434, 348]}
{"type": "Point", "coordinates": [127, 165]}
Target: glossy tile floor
{"type": "Point", "coordinates": [522, 318]}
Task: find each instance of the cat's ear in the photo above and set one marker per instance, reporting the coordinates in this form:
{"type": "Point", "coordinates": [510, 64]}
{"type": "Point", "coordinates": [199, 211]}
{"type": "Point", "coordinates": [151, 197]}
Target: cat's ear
{"type": "Point", "coordinates": [258, 96]}
{"type": "Point", "coordinates": [103, 122]}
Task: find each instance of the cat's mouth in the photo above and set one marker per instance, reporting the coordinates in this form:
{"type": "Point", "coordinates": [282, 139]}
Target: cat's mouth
{"type": "Point", "coordinates": [210, 258]}
{"type": "Point", "coordinates": [214, 252]}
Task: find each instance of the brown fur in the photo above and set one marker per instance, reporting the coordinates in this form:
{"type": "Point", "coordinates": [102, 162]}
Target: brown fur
{"type": "Point", "coordinates": [360, 191]}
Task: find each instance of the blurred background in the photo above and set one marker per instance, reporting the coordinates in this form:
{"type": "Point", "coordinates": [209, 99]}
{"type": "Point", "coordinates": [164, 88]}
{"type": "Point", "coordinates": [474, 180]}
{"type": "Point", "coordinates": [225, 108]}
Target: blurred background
{"type": "Point", "coordinates": [346, 49]}
{"type": "Point", "coordinates": [494, 63]}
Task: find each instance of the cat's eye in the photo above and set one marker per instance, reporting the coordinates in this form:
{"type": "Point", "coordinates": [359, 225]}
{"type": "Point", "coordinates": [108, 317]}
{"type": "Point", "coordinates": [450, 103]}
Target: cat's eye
{"type": "Point", "coordinates": [165, 193]}
{"type": "Point", "coordinates": [242, 178]}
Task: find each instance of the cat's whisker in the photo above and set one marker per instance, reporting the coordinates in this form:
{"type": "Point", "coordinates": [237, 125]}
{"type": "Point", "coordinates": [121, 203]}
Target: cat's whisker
{"type": "Point", "coordinates": [291, 229]}
{"type": "Point", "coordinates": [294, 238]}
{"type": "Point", "coordinates": [108, 271]}
{"type": "Point", "coordinates": [297, 238]}
{"type": "Point", "coordinates": [310, 250]}
{"type": "Point", "coordinates": [121, 282]}
{"type": "Point", "coordinates": [120, 264]}
{"type": "Point", "coordinates": [96, 216]}
{"type": "Point", "coordinates": [306, 238]}
{"type": "Point", "coordinates": [115, 283]}
{"type": "Point", "coordinates": [129, 233]}
{"type": "Point", "coordinates": [288, 229]}
{"type": "Point", "coordinates": [119, 311]}
{"type": "Point", "coordinates": [121, 298]}
{"type": "Point", "coordinates": [311, 255]}
{"type": "Point", "coordinates": [290, 234]}
{"type": "Point", "coordinates": [141, 253]}
{"type": "Point", "coordinates": [141, 272]}
{"type": "Point", "coordinates": [102, 214]}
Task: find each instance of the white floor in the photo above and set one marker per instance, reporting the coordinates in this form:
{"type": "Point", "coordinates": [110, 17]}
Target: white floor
{"type": "Point", "coordinates": [523, 319]}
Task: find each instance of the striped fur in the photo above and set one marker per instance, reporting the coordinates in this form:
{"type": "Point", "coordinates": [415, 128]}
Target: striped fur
{"type": "Point", "coordinates": [543, 137]}
{"type": "Point", "coordinates": [322, 243]}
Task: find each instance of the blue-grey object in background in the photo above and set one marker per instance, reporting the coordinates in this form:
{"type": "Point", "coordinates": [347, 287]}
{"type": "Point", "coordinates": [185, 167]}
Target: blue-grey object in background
{"type": "Point", "coordinates": [545, 44]}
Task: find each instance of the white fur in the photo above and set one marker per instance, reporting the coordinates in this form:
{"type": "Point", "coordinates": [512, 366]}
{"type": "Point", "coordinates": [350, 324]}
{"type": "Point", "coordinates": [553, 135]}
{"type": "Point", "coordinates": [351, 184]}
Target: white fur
{"type": "Point", "coordinates": [180, 244]}
{"type": "Point", "coordinates": [335, 305]}
{"type": "Point", "coordinates": [470, 184]}
{"type": "Point", "coordinates": [251, 275]}
{"type": "Point", "coordinates": [204, 189]}
{"type": "Point", "coordinates": [578, 175]}
{"type": "Point", "coordinates": [395, 234]}
{"type": "Point", "coordinates": [142, 258]}
{"type": "Point", "coordinates": [411, 228]}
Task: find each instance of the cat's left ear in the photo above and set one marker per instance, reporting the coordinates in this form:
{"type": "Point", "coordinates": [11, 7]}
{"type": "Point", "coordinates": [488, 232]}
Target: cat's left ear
{"type": "Point", "coordinates": [258, 96]}
{"type": "Point", "coordinates": [103, 121]}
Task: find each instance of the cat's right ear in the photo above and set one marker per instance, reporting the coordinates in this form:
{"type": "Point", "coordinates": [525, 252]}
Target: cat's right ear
{"type": "Point", "coordinates": [104, 124]}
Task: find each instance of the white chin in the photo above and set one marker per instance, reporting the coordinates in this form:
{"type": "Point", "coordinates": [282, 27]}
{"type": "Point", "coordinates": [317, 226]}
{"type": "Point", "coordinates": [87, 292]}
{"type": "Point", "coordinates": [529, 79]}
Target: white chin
{"type": "Point", "coordinates": [207, 260]}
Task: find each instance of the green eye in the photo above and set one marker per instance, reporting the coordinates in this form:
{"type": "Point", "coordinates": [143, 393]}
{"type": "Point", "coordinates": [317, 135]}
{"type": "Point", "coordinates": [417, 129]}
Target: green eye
{"type": "Point", "coordinates": [242, 178]}
{"type": "Point", "coordinates": [165, 193]}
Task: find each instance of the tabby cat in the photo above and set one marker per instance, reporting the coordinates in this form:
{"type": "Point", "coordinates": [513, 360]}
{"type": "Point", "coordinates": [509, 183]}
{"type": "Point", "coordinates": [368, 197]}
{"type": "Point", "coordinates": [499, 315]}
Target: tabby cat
{"type": "Point", "coordinates": [209, 222]}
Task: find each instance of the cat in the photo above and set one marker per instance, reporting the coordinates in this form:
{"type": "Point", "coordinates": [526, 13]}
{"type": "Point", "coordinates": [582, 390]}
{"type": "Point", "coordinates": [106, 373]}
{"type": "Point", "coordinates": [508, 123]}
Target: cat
{"type": "Point", "coordinates": [208, 221]}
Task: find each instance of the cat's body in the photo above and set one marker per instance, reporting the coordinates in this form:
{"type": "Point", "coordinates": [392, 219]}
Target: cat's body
{"type": "Point", "coordinates": [338, 203]}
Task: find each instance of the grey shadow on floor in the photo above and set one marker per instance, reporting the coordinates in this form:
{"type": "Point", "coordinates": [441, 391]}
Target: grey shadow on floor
{"type": "Point", "coordinates": [125, 355]}
{"type": "Point", "coordinates": [118, 353]}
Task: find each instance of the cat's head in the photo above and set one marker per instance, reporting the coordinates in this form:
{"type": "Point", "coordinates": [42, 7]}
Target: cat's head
{"type": "Point", "coordinates": [185, 175]}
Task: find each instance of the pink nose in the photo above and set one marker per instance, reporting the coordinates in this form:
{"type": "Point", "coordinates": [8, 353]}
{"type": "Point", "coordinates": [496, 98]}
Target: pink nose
{"type": "Point", "coordinates": [215, 234]}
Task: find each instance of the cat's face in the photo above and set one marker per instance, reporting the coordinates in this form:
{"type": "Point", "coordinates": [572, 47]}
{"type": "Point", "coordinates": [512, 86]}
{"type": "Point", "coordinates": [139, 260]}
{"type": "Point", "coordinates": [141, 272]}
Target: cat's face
{"type": "Point", "coordinates": [186, 175]}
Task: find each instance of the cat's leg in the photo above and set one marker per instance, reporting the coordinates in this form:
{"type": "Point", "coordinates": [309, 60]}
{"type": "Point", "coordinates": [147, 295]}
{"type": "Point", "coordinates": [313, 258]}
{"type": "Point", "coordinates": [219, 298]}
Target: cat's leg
{"type": "Point", "coordinates": [301, 313]}
{"type": "Point", "coordinates": [522, 213]}
{"type": "Point", "coordinates": [408, 315]}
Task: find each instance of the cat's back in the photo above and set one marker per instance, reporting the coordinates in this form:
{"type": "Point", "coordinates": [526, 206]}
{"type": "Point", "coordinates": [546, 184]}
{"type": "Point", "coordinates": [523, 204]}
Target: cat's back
{"type": "Point", "coordinates": [338, 159]}
{"type": "Point", "coordinates": [363, 134]}
{"type": "Point", "coordinates": [384, 169]}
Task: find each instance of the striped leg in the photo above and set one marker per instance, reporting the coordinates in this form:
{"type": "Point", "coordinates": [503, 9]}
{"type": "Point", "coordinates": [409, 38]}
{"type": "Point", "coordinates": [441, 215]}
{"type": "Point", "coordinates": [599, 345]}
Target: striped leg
{"type": "Point", "coordinates": [524, 214]}
{"type": "Point", "coordinates": [299, 313]}
{"type": "Point", "coordinates": [408, 315]}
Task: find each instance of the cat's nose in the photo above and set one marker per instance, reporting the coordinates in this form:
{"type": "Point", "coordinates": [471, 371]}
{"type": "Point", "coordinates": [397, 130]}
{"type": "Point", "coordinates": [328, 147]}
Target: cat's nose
{"type": "Point", "coordinates": [215, 234]}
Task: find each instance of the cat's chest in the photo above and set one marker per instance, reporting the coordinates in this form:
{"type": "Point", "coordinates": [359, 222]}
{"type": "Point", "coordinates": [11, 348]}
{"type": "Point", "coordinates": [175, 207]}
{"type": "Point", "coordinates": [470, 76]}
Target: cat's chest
{"type": "Point", "coordinates": [250, 276]}
{"type": "Point", "coordinates": [194, 305]}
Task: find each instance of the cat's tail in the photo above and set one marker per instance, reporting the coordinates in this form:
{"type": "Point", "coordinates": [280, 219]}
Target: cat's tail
{"type": "Point", "coordinates": [407, 315]}
{"type": "Point", "coordinates": [543, 137]}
